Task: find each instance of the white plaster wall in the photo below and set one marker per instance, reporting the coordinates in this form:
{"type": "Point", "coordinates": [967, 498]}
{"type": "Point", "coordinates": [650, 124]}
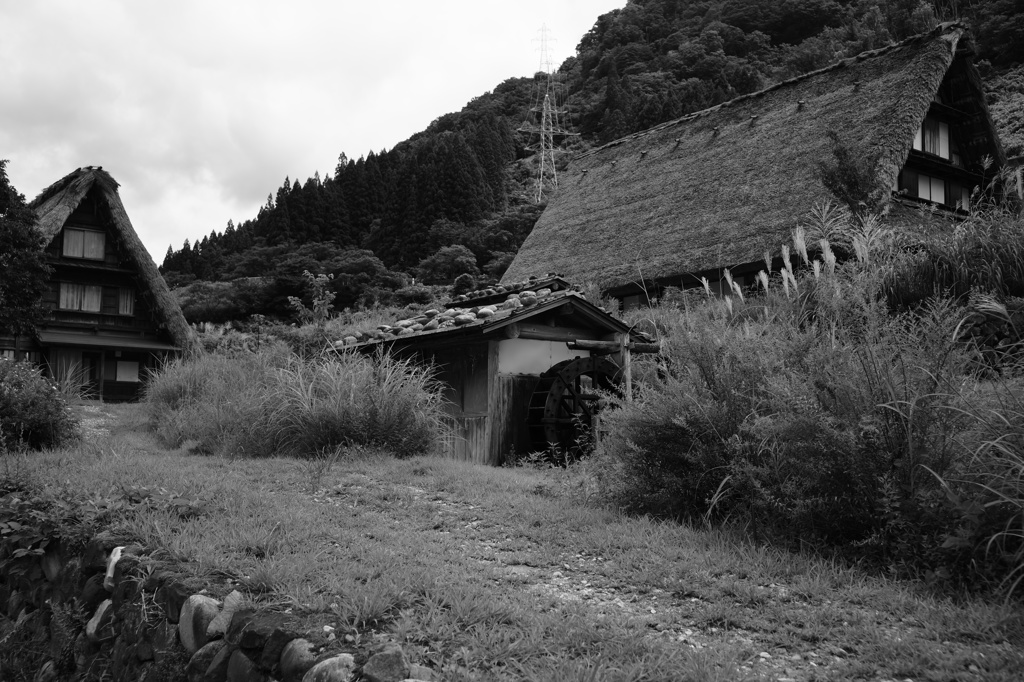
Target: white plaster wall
{"type": "Point", "coordinates": [529, 356]}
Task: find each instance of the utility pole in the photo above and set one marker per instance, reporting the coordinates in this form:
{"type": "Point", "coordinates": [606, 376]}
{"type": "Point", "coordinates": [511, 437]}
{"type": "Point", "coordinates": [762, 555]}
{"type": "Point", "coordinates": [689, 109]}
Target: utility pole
{"type": "Point", "coordinates": [547, 122]}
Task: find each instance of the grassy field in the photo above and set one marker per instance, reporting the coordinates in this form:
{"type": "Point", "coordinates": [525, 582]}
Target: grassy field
{"type": "Point", "coordinates": [513, 574]}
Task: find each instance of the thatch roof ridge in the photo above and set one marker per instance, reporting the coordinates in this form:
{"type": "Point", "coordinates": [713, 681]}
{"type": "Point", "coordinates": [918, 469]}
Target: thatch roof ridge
{"type": "Point", "coordinates": [940, 29]}
{"type": "Point", "coordinates": [721, 187]}
{"type": "Point", "coordinates": [56, 203]}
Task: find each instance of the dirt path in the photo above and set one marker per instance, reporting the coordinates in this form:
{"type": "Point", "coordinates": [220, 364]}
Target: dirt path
{"type": "Point", "coordinates": [97, 418]}
{"type": "Point", "coordinates": [773, 629]}
{"type": "Point", "coordinates": [790, 643]}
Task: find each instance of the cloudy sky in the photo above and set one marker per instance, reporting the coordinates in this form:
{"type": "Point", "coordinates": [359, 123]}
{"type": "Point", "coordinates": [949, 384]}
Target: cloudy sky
{"type": "Point", "coordinates": [199, 109]}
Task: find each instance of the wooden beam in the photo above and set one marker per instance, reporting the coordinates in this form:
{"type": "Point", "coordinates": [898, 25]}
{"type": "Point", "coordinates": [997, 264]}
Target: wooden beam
{"type": "Point", "coordinates": [627, 369]}
{"type": "Point", "coordinates": [539, 332]}
{"type": "Point", "coordinates": [614, 346]}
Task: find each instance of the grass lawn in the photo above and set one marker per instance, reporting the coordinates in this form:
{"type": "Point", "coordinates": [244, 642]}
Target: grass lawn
{"type": "Point", "coordinates": [516, 574]}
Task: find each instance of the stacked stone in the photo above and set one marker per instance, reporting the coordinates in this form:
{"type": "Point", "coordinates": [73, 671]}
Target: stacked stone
{"type": "Point", "coordinates": [143, 622]}
{"type": "Point", "coordinates": [451, 317]}
{"type": "Point", "coordinates": [514, 287]}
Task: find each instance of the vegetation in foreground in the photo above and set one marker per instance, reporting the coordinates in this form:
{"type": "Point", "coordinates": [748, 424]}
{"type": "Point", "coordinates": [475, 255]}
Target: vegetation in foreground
{"type": "Point", "coordinates": [34, 414]}
{"type": "Point", "coordinates": [501, 574]}
{"type": "Point", "coordinates": [273, 403]}
{"type": "Point", "coordinates": [844, 408]}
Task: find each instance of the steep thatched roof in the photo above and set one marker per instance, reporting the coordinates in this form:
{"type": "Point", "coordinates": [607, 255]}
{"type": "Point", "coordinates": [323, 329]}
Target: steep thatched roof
{"type": "Point", "coordinates": [56, 203]}
{"type": "Point", "coordinates": [721, 187]}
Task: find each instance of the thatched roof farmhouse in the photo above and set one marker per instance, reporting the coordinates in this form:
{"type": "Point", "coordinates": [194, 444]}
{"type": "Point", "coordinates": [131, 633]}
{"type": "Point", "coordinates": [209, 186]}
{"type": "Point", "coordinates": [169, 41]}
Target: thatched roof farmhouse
{"type": "Point", "coordinates": [112, 315]}
{"type": "Point", "coordinates": [720, 187]}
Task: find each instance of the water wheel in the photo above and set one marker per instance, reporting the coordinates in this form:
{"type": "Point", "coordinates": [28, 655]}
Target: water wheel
{"type": "Point", "coordinates": [565, 401]}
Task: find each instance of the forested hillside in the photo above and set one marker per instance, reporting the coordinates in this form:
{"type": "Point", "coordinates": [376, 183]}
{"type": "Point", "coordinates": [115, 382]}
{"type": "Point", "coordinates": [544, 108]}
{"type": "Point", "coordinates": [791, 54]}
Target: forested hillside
{"type": "Point", "coordinates": [457, 197]}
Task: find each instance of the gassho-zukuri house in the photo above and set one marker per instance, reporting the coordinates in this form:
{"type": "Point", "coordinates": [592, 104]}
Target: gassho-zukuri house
{"type": "Point", "coordinates": [721, 187]}
{"type": "Point", "coordinates": [524, 366]}
{"type": "Point", "coordinates": [111, 315]}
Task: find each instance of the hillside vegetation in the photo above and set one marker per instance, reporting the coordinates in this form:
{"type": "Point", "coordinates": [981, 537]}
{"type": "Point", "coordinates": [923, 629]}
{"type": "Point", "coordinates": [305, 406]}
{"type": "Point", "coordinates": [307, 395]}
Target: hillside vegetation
{"type": "Point", "coordinates": [467, 179]}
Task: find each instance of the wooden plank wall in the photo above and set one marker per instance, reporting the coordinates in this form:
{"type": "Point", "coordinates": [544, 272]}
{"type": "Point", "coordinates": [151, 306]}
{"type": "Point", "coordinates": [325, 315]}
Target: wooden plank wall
{"type": "Point", "coordinates": [510, 412]}
{"type": "Point", "coordinates": [465, 375]}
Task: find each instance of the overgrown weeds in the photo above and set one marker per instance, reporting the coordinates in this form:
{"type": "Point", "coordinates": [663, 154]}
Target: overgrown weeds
{"type": "Point", "coordinates": [274, 403]}
{"type": "Point", "coordinates": [835, 412]}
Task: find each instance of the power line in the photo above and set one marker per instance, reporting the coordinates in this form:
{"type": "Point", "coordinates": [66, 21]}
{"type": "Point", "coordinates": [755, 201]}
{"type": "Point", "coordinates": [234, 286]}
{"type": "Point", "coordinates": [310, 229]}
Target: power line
{"type": "Point", "coordinates": [547, 121]}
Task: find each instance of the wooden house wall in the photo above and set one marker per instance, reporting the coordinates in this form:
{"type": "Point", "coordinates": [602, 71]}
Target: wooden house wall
{"type": "Point", "coordinates": [510, 413]}
{"type": "Point", "coordinates": [96, 370]}
{"type": "Point", "coordinates": [463, 372]}
{"type": "Point", "coordinates": [488, 409]}
{"type": "Point", "coordinates": [113, 273]}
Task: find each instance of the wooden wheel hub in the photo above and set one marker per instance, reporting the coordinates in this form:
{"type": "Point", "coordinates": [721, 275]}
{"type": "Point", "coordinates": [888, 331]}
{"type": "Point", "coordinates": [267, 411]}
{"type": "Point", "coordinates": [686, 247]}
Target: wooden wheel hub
{"type": "Point", "coordinates": [566, 399]}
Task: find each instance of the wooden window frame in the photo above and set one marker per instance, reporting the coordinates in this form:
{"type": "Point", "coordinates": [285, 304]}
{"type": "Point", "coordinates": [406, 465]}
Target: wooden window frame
{"type": "Point", "coordinates": [69, 248]}
{"type": "Point", "coordinates": [126, 301]}
{"type": "Point", "coordinates": [69, 297]}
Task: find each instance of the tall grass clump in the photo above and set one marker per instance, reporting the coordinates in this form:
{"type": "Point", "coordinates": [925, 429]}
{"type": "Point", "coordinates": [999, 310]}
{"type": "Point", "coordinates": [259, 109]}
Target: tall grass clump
{"type": "Point", "coordinates": [988, 492]}
{"type": "Point", "coordinates": [275, 403]}
{"type": "Point", "coordinates": [818, 412]}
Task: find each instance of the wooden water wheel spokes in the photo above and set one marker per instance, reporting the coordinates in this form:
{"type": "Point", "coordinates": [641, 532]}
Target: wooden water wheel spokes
{"type": "Point", "coordinates": [566, 400]}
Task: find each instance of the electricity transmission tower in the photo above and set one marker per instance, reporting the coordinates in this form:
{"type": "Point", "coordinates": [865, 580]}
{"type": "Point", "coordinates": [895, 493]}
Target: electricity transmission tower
{"type": "Point", "coordinates": [547, 122]}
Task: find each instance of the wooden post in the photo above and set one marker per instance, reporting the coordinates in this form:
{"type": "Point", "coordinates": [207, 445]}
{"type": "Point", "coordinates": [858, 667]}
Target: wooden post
{"type": "Point", "coordinates": [627, 370]}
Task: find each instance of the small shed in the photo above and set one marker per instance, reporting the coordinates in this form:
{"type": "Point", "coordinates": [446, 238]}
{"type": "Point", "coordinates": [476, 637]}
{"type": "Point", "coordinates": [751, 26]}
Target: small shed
{"type": "Point", "coordinates": [524, 366]}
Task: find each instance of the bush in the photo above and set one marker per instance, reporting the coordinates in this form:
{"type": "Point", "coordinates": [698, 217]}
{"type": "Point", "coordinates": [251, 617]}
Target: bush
{"type": "Point", "coordinates": [812, 416]}
{"type": "Point", "coordinates": [273, 403]}
{"type": "Point", "coordinates": [33, 413]}
{"type": "Point", "coordinates": [412, 295]}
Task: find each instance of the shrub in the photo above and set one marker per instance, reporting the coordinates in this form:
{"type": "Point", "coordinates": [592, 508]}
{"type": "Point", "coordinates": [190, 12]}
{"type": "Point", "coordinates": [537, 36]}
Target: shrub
{"type": "Point", "coordinates": [813, 415]}
{"type": "Point", "coordinates": [412, 295]}
{"type": "Point", "coordinates": [463, 284]}
{"type": "Point", "coordinates": [33, 413]}
{"type": "Point", "coordinates": [273, 403]}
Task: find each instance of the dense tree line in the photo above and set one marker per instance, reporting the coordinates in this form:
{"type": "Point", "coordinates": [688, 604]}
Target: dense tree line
{"type": "Point", "coordinates": [655, 60]}
{"type": "Point", "coordinates": [464, 180]}
{"type": "Point", "coordinates": [23, 268]}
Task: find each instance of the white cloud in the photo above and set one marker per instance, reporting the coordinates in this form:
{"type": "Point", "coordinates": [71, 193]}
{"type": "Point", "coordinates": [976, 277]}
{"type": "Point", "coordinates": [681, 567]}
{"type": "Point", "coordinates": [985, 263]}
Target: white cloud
{"type": "Point", "coordinates": [200, 109]}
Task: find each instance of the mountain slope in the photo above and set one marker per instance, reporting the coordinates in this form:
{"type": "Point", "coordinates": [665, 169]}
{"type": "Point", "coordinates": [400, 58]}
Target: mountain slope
{"type": "Point", "coordinates": [467, 178]}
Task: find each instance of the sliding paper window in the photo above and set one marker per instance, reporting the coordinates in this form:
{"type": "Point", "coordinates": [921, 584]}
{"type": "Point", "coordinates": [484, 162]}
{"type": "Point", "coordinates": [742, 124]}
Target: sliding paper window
{"type": "Point", "coordinates": [86, 297]}
{"type": "Point", "coordinates": [126, 301]}
{"type": "Point", "coordinates": [933, 138]}
{"type": "Point", "coordinates": [84, 244]}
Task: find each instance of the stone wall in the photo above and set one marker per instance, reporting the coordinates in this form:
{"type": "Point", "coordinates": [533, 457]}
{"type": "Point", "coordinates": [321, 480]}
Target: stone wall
{"type": "Point", "coordinates": [111, 613]}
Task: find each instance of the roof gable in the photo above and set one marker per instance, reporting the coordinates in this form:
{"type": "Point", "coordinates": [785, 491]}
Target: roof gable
{"type": "Point", "coordinates": [723, 186]}
{"type": "Point", "coordinates": [58, 202]}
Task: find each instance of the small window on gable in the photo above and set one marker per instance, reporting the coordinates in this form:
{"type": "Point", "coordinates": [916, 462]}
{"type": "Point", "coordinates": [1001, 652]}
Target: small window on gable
{"type": "Point", "coordinates": [933, 138]}
{"type": "Point", "coordinates": [954, 152]}
{"type": "Point", "coordinates": [85, 297]}
{"type": "Point", "coordinates": [947, 192]}
{"type": "Point", "coordinates": [126, 301]}
{"type": "Point", "coordinates": [959, 196]}
{"type": "Point", "coordinates": [932, 189]}
{"type": "Point", "coordinates": [88, 244]}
